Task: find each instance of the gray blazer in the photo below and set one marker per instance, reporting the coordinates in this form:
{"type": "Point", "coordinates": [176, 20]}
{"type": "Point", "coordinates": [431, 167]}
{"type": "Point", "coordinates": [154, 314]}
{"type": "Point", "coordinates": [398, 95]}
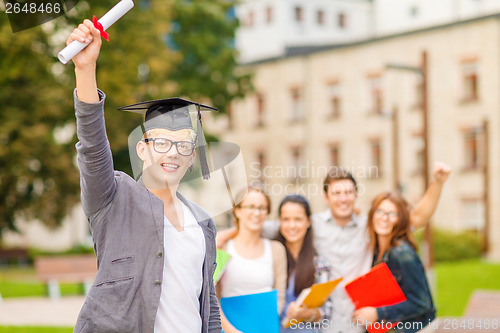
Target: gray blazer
{"type": "Point", "coordinates": [127, 230]}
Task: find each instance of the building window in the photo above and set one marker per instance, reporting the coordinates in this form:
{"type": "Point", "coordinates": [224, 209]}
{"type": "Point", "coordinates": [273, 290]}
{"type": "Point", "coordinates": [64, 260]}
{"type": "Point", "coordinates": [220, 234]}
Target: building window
{"type": "Point", "coordinates": [296, 163]}
{"type": "Point", "coordinates": [261, 161]}
{"type": "Point", "coordinates": [320, 17]}
{"type": "Point", "coordinates": [418, 148]}
{"type": "Point", "coordinates": [269, 15]}
{"type": "Point", "coordinates": [473, 157]}
{"type": "Point", "coordinates": [375, 91]}
{"type": "Point", "coordinates": [230, 120]}
{"type": "Point", "coordinates": [342, 20]}
{"type": "Point", "coordinates": [473, 214]}
{"type": "Point", "coordinates": [334, 152]}
{"type": "Point", "coordinates": [299, 15]}
{"type": "Point", "coordinates": [414, 11]}
{"type": "Point", "coordinates": [297, 104]}
{"type": "Point", "coordinates": [375, 167]}
{"type": "Point", "coordinates": [249, 19]}
{"type": "Point", "coordinates": [419, 93]}
{"type": "Point", "coordinates": [260, 110]}
{"type": "Point", "coordinates": [334, 100]}
{"type": "Point", "coordinates": [470, 81]}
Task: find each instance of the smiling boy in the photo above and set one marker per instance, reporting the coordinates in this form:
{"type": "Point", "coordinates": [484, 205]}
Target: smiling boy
{"type": "Point", "coordinates": [155, 249]}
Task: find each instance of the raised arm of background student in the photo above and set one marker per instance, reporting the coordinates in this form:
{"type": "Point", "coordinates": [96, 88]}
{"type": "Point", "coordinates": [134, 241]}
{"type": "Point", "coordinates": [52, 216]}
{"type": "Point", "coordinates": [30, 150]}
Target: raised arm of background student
{"type": "Point", "coordinates": [93, 151]}
{"type": "Point", "coordinates": [223, 236]}
{"type": "Point", "coordinates": [421, 214]}
{"type": "Point", "coordinates": [226, 325]}
{"type": "Point", "coordinates": [279, 272]}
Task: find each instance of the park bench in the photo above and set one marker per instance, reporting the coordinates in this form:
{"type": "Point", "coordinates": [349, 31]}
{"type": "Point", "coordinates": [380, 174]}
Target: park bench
{"type": "Point", "coordinates": [53, 270]}
{"type": "Point", "coordinates": [19, 255]}
{"type": "Point", "coordinates": [482, 312]}
{"type": "Point", "coordinates": [9, 255]}
{"type": "Point", "coordinates": [484, 304]}
{"type": "Point", "coordinates": [482, 315]}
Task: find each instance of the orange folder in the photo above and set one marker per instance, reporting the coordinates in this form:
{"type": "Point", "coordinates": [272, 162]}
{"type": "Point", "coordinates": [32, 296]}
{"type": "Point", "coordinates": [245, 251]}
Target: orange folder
{"type": "Point", "coordinates": [313, 297]}
{"type": "Point", "coordinates": [376, 288]}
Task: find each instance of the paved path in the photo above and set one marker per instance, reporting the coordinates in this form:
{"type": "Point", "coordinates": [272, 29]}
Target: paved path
{"type": "Point", "coordinates": [40, 311]}
{"type": "Point", "coordinates": [43, 311]}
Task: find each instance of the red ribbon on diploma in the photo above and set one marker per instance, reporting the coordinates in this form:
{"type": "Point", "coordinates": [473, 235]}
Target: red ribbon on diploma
{"type": "Point", "coordinates": [99, 27]}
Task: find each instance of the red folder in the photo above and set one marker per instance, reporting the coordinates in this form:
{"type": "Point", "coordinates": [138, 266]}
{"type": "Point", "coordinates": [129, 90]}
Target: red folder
{"type": "Point", "coordinates": [376, 288]}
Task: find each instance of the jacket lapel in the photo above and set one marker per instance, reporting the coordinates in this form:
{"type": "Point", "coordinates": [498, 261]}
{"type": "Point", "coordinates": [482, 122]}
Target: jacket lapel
{"type": "Point", "coordinates": [156, 210]}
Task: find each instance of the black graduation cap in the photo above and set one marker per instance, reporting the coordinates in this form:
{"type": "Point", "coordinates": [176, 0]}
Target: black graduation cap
{"type": "Point", "coordinates": [173, 114]}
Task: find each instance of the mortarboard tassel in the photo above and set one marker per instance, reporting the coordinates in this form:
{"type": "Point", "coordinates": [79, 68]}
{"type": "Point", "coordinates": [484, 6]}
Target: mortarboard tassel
{"type": "Point", "coordinates": [205, 171]}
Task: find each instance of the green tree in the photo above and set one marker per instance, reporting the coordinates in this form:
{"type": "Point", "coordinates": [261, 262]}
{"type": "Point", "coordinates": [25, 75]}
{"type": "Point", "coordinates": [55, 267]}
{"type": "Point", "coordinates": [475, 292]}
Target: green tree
{"type": "Point", "coordinates": [38, 178]}
{"type": "Point", "coordinates": [165, 48]}
{"type": "Point", "coordinates": [202, 36]}
{"type": "Point", "coordinates": [161, 48]}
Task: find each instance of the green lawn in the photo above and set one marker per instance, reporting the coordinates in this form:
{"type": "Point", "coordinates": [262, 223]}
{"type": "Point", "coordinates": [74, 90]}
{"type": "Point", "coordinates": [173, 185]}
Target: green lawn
{"type": "Point", "coordinates": [21, 282]}
{"type": "Point", "coordinates": [456, 281]}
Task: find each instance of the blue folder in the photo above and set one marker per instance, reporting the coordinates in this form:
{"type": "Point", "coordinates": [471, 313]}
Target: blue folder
{"type": "Point", "coordinates": [254, 313]}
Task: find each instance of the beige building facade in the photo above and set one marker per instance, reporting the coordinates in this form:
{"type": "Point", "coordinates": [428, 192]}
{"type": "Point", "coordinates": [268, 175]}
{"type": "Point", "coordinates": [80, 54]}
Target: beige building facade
{"type": "Point", "coordinates": [335, 106]}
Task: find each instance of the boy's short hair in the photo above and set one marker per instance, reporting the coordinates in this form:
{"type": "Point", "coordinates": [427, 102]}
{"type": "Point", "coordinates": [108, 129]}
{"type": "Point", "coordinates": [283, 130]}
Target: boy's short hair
{"type": "Point", "coordinates": [335, 174]}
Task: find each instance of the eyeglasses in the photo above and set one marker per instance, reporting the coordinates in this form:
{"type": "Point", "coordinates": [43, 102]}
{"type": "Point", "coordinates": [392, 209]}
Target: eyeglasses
{"type": "Point", "coordinates": [162, 146]}
{"type": "Point", "coordinates": [347, 193]}
{"type": "Point", "coordinates": [379, 213]}
{"type": "Point", "coordinates": [260, 210]}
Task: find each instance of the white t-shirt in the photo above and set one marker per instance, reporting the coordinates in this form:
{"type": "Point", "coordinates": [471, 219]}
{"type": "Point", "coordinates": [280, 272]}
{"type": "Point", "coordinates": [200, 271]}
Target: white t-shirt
{"type": "Point", "coordinates": [184, 253]}
{"type": "Point", "coordinates": [247, 276]}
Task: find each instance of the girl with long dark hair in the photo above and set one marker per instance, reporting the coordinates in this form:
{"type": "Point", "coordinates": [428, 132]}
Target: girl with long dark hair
{"type": "Point", "coordinates": [305, 267]}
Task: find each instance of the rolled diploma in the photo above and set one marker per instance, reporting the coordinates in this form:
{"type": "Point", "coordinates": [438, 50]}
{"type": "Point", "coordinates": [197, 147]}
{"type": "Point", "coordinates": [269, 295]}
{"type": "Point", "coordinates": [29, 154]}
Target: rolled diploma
{"type": "Point", "coordinates": [113, 15]}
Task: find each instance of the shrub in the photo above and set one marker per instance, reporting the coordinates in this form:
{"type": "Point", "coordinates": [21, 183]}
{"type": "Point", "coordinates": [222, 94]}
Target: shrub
{"type": "Point", "coordinates": [454, 246]}
{"type": "Point", "coordinates": [78, 249]}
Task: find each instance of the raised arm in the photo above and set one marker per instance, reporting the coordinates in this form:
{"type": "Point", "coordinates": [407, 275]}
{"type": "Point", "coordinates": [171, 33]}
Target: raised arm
{"type": "Point", "coordinates": [280, 272]}
{"type": "Point", "coordinates": [85, 61]}
{"type": "Point", "coordinates": [223, 236]}
{"type": "Point", "coordinates": [226, 325]}
{"type": "Point", "coordinates": [421, 214]}
{"type": "Point", "coordinates": [93, 153]}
